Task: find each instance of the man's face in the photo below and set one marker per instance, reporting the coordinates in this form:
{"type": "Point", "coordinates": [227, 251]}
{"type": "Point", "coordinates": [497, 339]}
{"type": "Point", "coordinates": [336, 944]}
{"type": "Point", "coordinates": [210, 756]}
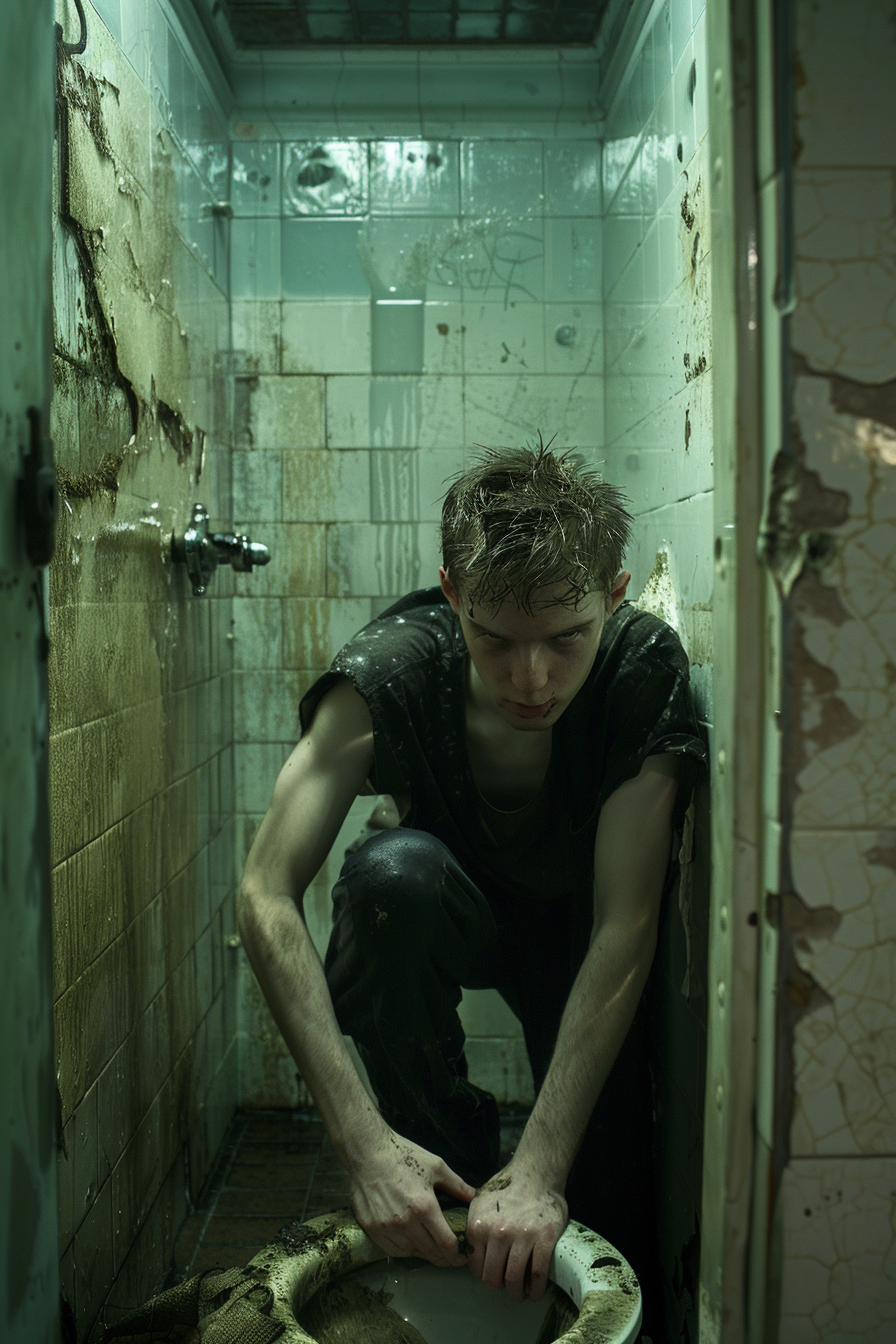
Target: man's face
{"type": "Point", "coordinates": [527, 668]}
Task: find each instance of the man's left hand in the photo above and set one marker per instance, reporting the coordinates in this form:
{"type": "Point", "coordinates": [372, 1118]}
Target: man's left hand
{"type": "Point", "coordinates": [514, 1224]}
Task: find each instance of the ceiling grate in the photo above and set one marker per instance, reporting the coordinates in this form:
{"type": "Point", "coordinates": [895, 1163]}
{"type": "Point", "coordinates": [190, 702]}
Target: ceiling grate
{"type": "Point", "coordinates": [304, 23]}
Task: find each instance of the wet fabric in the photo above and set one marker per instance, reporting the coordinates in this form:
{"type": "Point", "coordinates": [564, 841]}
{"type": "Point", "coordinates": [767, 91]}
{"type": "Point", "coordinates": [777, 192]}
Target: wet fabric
{"type": "Point", "coordinates": [411, 929]}
{"type": "Point", "coordinates": [409, 665]}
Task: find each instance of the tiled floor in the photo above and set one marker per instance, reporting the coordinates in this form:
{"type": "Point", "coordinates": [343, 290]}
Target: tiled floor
{"type": "Point", "coordinates": [274, 1167]}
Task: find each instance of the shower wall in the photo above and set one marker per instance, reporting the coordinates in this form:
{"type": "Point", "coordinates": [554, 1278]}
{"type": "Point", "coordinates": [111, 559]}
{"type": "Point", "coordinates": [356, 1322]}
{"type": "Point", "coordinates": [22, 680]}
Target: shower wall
{"type": "Point", "coordinates": [140, 670]}
{"type": "Point", "coordinates": [658, 446]}
{"type": "Point", "coordinates": [395, 301]}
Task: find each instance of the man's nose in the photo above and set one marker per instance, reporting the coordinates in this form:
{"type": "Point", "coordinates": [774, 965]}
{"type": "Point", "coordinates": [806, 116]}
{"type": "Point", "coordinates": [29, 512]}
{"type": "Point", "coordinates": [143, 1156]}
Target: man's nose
{"type": "Point", "coordinates": [530, 670]}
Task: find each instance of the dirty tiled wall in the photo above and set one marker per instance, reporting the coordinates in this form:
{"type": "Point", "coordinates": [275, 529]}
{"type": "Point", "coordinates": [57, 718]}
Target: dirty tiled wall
{"type": "Point", "coordinates": [140, 681]}
{"type": "Point", "coordinates": [395, 301]}
{"type": "Point", "coordinates": [658, 394]}
{"type": "Point", "coordinates": [833, 518]}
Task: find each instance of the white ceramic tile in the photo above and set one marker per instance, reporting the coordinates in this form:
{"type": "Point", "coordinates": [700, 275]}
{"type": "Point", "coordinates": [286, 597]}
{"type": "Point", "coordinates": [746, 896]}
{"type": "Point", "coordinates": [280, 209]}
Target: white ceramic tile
{"type": "Point", "coordinates": [327, 177]}
{"type": "Point", "coordinates": [157, 25]}
{"type": "Point", "coordinates": [258, 486]}
{"type": "Point", "coordinates": [436, 468]}
{"type": "Point", "coordinates": [415, 177]}
{"type": "Point", "coordinates": [321, 259]}
{"type": "Point", "coordinates": [326, 487]}
{"type": "Point", "coordinates": [398, 254]}
{"type": "Point", "coordinates": [394, 413]}
{"type": "Point", "coordinates": [701, 91]}
{"type": "Point", "coordinates": [483, 1012]}
{"type": "Point", "coordinates": [685, 529]}
{"type": "Point", "coordinates": [572, 177]}
{"type": "Point", "coordinates": [443, 340]}
{"type": "Point", "coordinates": [256, 766]}
{"type": "Point", "coordinates": [255, 188]}
{"type": "Point", "coordinates": [513, 410]}
{"type": "Point", "coordinates": [110, 13]}
{"type": "Point", "coordinates": [284, 412]}
{"type": "Point", "coordinates": [257, 633]}
{"type": "Point", "coordinates": [572, 260]}
{"type": "Point", "coordinates": [499, 259]}
{"type": "Point", "coordinates": [622, 236]}
{"type": "Point", "coordinates": [683, 96]}
{"type": "Point", "coordinates": [502, 175]}
{"type": "Point", "coordinates": [573, 338]}
{"type": "Point", "coordinates": [681, 27]}
{"type": "Point", "coordinates": [837, 1251]}
{"type": "Point", "coordinates": [501, 1066]}
{"type": "Point", "coordinates": [503, 340]}
{"type": "Point", "coordinates": [255, 334]}
{"type": "Point", "coordinates": [368, 559]}
{"type": "Point", "coordinates": [618, 153]}
{"type": "Point", "coordinates": [326, 336]}
{"type": "Point", "coordinates": [135, 36]}
{"type": "Point", "coordinates": [394, 485]}
{"type": "Point", "coordinates": [255, 259]}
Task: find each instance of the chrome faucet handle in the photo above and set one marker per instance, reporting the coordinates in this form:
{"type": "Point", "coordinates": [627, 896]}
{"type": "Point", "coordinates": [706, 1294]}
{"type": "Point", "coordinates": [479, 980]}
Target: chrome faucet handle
{"type": "Point", "coordinates": [202, 551]}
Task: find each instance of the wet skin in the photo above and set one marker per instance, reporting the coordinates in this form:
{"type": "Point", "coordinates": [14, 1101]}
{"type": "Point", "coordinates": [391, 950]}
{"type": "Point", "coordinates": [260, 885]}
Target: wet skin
{"type": "Point", "coordinates": [526, 667]}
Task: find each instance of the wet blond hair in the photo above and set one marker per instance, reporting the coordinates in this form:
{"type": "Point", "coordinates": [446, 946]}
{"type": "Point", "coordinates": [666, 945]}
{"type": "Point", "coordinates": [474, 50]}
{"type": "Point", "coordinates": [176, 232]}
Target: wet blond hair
{"type": "Point", "coordinates": [522, 519]}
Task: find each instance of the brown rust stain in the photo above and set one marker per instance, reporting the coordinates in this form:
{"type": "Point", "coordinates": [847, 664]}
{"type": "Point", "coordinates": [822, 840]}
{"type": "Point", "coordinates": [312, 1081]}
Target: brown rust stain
{"type": "Point", "coordinates": [799, 514]}
{"type": "Point", "coordinates": [797, 923]}
{"type": "Point", "coordinates": [832, 721]}
{"type": "Point", "coordinates": [850, 396]}
{"type": "Point", "coordinates": [811, 597]}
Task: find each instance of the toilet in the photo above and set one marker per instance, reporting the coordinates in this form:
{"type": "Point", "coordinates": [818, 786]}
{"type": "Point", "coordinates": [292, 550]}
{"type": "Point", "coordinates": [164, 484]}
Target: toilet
{"type": "Point", "coordinates": [444, 1306]}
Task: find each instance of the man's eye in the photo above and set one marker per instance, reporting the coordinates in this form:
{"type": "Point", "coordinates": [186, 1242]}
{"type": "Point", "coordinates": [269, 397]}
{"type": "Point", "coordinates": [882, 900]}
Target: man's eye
{"type": "Point", "coordinates": [569, 635]}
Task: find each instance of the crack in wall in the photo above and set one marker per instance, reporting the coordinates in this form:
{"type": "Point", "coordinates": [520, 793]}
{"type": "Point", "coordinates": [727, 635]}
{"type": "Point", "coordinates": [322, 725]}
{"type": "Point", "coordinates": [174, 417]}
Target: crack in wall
{"type": "Point", "coordinates": [77, 88]}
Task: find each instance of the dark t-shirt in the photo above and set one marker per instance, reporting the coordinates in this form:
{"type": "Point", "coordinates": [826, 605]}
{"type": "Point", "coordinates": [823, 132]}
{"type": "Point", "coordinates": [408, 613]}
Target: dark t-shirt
{"type": "Point", "coordinates": [409, 666]}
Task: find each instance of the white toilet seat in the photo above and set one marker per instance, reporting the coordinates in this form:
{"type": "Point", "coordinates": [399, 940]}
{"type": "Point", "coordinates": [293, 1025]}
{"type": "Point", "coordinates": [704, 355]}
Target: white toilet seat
{"type": "Point", "coordinates": [601, 1284]}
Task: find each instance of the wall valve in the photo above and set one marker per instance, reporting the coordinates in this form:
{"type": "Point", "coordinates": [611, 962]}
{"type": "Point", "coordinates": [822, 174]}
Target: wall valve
{"type": "Point", "coordinates": [202, 551]}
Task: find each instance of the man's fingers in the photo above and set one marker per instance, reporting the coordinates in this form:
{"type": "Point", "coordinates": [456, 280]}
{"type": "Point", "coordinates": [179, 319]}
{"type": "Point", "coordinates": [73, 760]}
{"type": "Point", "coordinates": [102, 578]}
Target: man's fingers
{"type": "Point", "coordinates": [453, 1185]}
{"type": "Point", "coordinates": [538, 1274]}
{"type": "Point", "coordinates": [495, 1265]}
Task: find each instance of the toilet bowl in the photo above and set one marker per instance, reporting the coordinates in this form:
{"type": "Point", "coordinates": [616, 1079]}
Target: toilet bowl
{"type": "Point", "coordinates": [445, 1306]}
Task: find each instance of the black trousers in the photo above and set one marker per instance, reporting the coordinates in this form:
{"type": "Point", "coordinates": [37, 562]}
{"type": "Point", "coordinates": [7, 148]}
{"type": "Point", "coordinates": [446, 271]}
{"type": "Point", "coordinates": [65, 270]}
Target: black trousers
{"type": "Point", "coordinates": [410, 931]}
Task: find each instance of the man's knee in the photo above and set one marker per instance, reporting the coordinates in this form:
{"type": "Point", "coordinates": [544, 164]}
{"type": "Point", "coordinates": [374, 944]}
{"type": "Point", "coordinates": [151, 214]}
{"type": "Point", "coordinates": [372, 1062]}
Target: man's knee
{"type": "Point", "coordinates": [396, 872]}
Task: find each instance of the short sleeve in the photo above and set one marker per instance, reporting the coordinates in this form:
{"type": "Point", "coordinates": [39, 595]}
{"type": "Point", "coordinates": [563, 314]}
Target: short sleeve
{"type": "Point", "coordinates": [651, 711]}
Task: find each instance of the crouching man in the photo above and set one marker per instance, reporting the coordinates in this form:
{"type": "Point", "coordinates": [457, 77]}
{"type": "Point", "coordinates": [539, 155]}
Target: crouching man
{"type": "Point", "coordinates": [538, 734]}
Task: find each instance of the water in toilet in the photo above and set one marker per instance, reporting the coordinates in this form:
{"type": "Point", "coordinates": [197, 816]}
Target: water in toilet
{"type": "Point", "coordinates": [409, 1302]}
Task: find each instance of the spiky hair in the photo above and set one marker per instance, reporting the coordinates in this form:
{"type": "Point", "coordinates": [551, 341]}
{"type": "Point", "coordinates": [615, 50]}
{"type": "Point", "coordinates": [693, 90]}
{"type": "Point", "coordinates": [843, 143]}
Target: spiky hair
{"type": "Point", "coordinates": [523, 519]}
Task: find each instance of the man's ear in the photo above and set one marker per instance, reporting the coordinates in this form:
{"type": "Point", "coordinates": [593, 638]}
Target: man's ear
{"type": "Point", "coordinates": [449, 590]}
{"type": "Point", "coordinates": [617, 592]}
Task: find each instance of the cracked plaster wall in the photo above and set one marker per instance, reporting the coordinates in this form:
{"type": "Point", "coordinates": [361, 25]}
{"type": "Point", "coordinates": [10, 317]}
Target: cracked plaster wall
{"type": "Point", "coordinates": [140, 681]}
{"type": "Point", "coordinates": [836, 567]}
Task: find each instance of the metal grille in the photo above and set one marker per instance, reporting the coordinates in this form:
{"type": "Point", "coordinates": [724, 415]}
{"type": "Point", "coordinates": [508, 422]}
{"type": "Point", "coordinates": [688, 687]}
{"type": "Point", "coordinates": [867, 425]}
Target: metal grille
{"type": "Point", "coordinates": [292, 23]}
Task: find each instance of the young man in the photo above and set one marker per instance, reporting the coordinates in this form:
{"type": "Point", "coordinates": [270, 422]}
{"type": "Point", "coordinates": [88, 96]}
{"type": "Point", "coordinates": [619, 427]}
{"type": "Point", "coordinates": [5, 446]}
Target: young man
{"type": "Point", "coordinates": [538, 735]}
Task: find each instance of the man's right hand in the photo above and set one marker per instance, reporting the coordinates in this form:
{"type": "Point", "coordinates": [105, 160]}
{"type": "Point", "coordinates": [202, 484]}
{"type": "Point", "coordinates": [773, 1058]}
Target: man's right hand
{"type": "Point", "coordinates": [393, 1199]}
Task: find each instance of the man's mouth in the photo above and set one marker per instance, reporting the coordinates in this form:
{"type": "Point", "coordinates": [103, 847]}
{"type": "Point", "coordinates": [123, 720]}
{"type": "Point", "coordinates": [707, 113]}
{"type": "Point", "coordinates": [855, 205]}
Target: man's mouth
{"type": "Point", "coordinates": [532, 711]}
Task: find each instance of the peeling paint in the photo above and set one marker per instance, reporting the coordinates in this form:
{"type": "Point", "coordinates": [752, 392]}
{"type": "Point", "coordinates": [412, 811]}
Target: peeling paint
{"type": "Point", "coordinates": [799, 511]}
{"type": "Point", "coordinates": [802, 994]}
{"type": "Point", "coordinates": [884, 852]}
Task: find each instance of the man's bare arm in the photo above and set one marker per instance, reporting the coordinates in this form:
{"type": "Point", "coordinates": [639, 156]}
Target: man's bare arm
{"type": "Point", "coordinates": [392, 1179]}
{"type": "Point", "coordinates": [517, 1218]}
